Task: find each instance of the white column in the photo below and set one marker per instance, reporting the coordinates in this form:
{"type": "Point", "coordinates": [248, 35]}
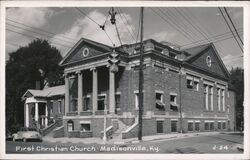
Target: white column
{"type": "Point", "coordinates": [66, 105]}
{"type": "Point", "coordinates": [79, 101]}
{"type": "Point", "coordinates": [46, 115]}
{"type": "Point", "coordinates": [27, 115]}
{"type": "Point", "coordinates": [207, 97]}
{"type": "Point", "coordinates": [36, 112]}
{"type": "Point", "coordinates": [94, 90]}
{"type": "Point", "coordinates": [42, 120]}
{"type": "Point", "coordinates": [111, 92]}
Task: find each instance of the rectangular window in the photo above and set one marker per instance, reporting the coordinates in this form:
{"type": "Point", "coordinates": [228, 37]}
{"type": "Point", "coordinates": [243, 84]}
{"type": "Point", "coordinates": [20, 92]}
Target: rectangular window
{"type": "Point", "coordinates": [196, 85]}
{"type": "Point", "coordinates": [211, 98]}
{"type": "Point", "coordinates": [206, 126]}
{"type": "Point", "coordinates": [189, 84]}
{"type": "Point", "coordinates": [159, 101]}
{"type": "Point", "coordinates": [206, 96]}
{"type": "Point", "coordinates": [219, 125]}
{"type": "Point", "coordinates": [117, 100]}
{"type": "Point", "coordinates": [101, 100]}
{"type": "Point", "coordinates": [218, 97]}
{"type": "Point", "coordinates": [85, 127]}
{"type": "Point", "coordinates": [59, 106]}
{"type": "Point", "coordinates": [223, 99]}
{"type": "Point", "coordinates": [159, 126]}
{"type": "Point", "coordinates": [173, 102]}
{"type": "Point", "coordinates": [224, 125]}
{"type": "Point", "coordinates": [211, 127]}
{"type": "Point", "coordinates": [51, 106]}
{"type": "Point", "coordinates": [173, 126]}
{"type": "Point", "coordinates": [86, 103]}
{"type": "Point", "coordinates": [136, 100]}
{"type": "Point", "coordinates": [190, 126]}
{"type": "Point", "coordinates": [197, 126]}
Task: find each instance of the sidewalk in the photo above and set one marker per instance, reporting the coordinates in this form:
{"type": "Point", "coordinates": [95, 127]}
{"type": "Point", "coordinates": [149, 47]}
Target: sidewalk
{"type": "Point", "coordinates": [98, 140]}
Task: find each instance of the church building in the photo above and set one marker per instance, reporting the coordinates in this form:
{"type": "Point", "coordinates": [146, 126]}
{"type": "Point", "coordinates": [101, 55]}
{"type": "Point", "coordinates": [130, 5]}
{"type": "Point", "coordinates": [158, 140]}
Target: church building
{"type": "Point", "coordinates": [184, 90]}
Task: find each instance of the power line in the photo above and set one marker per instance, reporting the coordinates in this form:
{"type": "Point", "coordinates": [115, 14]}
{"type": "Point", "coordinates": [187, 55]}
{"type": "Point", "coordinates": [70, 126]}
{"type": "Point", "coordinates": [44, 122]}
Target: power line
{"type": "Point", "coordinates": [175, 16]}
{"type": "Point", "coordinates": [217, 38]}
{"type": "Point", "coordinates": [101, 26]}
{"type": "Point", "coordinates": [174, 27]}
{"type": "Point", "coordinates": [30, 36]}
{"type": "Point", "coordinates": [230, 28]}
{"type": "Point", "coordinates": [52, 33]}
{"type": "Point", "coordinates": [128, 26]}
{"type": "Point", "coordinates": [233, 25]}
{"type": "Point", "coordinates": [39, 33]}
{"type": "Point", "coordinates": [118, 35]}
{"type": "Point", "coordinates": [125, 24]}
{"type": "Point", "coordinates": [178, 26]}
{"type": "Point", "coordinates": [197, 26]}
{"type": "Point", "coordinates": [87, 16]}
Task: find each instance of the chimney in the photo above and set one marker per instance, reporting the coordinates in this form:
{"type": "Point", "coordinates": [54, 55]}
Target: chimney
{"type": "Point", "coordinates": [38, 85]}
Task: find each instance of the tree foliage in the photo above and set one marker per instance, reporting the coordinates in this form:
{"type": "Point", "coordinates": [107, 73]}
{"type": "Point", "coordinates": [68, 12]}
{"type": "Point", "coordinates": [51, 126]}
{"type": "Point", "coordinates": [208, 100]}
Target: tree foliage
{"type": "Point", "coordinates": [237, 82]}
{"type": "Point", "coordinates": [22, 73]}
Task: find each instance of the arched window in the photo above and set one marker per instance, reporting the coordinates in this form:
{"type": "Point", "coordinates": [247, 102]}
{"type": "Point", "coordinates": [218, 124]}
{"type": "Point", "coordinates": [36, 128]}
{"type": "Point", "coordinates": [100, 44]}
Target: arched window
{"type": "Point", "coordinates": [70, 125]}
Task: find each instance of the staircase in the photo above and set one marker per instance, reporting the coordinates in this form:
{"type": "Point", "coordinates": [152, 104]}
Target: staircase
{"type": "Point", "coordinates": [118, 133]}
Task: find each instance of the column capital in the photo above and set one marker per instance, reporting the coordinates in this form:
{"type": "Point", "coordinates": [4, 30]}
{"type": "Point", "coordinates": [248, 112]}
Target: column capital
{"type": "Point", "coordinates": [65, 75]}
{"type": "Point", "coordinates": [93, 69]}
{"type": "Point", "coordinates": [78, 72]}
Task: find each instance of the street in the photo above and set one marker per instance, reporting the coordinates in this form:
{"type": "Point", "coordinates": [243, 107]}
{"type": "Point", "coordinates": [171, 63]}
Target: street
{"type": "Point", "coordinates": [221, 143]}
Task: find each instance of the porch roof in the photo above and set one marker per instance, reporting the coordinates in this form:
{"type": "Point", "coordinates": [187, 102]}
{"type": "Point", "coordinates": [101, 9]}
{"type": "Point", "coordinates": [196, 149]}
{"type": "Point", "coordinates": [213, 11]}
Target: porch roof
{"type": "Point", "coordinates": [48, 92]}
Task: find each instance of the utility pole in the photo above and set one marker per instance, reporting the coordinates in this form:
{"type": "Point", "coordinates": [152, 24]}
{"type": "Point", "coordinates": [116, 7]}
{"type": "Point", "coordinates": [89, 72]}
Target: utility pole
{"type": "Point", "coordinates": [141, 82]}
{"type": "Point", "coordinates": [180, 91]}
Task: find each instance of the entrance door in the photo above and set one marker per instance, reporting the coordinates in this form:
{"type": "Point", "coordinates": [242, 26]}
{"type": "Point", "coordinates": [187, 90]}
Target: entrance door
{"type": "Point", "coordinates": [159, 126]}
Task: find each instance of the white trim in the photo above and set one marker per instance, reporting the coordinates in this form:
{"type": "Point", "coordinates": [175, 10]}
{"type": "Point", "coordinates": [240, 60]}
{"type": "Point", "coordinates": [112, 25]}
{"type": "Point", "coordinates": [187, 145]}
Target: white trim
{"type": "Point", "coordinates": [196, 79]}
{"type": "Point", "coordinates": [197, 121]}
{"type": "Point", "coordinates": [202, 77]}
{"type": "Point", "coordinates": [118, 93]}
{"type": "Point", "coordinates": [85, 122]}
{"type": "Point", "coordinates": [87, 96]}
{"type": "Point", "coordinates": [208, 83]}
{"type": "Point", "coordinates": [208, 121]}
{"type": "Point", "coordinates": [221, 86]}
{"type": "Point", "coordinates": [159, 91]}
{"type": "Point", "coordinates": [190, 121]}
{"type": "Point", "coordinates": [137, 91]}
{"type": "Point", "coordinates": [173, 94]}
{"type": "Point", "coordinates": [173, 119]}
{"type": "Point", "coordinates": [190, 77]}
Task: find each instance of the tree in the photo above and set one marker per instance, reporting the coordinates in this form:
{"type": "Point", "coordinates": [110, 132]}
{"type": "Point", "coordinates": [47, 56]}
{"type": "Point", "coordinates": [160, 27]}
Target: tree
{"type": "Point", "coordinates": [237, 81]}
{"type": "Point", "coordinates": [24, 69]}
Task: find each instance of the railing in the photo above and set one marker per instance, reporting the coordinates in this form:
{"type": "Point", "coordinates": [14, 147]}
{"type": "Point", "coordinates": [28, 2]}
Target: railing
{"type": "Point", "coordinates": [109, 131]}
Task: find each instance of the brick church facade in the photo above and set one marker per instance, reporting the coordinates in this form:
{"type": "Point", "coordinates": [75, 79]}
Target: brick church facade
{"type": "Point", "coordinates": [183, 91]}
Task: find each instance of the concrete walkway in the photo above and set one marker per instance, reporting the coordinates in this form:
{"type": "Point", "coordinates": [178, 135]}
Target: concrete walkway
{"type": "Point", "coordinates": [98, 140]}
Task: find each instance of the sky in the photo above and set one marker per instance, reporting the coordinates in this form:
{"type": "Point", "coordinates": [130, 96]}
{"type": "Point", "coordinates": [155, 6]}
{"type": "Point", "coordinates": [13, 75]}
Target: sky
{"type": "Point", "coordinates": [186, 27]}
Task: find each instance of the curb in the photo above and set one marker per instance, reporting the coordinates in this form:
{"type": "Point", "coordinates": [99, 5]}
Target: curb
{"type": "Point", "coordinates": [137, 141]}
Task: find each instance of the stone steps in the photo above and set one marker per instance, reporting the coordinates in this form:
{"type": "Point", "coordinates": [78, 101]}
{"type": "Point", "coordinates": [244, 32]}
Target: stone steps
{"type": "Point", "coordinates": [118, 133]}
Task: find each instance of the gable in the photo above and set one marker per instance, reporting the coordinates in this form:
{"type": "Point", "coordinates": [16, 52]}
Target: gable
{"type": "Point", "coordinates": [201, 61]}
{"type": "Point", "coordinates": [27, 95]}
{"type": "Point", "coordinates": [84, 49]}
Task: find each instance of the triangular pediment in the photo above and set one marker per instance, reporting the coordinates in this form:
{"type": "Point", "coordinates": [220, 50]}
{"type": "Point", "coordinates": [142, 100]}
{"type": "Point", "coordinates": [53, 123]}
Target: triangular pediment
{"type": "Point", "coordinates": [209, 60]}
{"type": "Point", "coordinates": [84, 49]}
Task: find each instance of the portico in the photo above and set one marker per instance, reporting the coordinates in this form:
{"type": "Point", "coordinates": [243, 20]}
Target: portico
{"type": "Point", "coordinates": [36, 111]}
{"type": "Point", "coordinates": [77, 88]}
